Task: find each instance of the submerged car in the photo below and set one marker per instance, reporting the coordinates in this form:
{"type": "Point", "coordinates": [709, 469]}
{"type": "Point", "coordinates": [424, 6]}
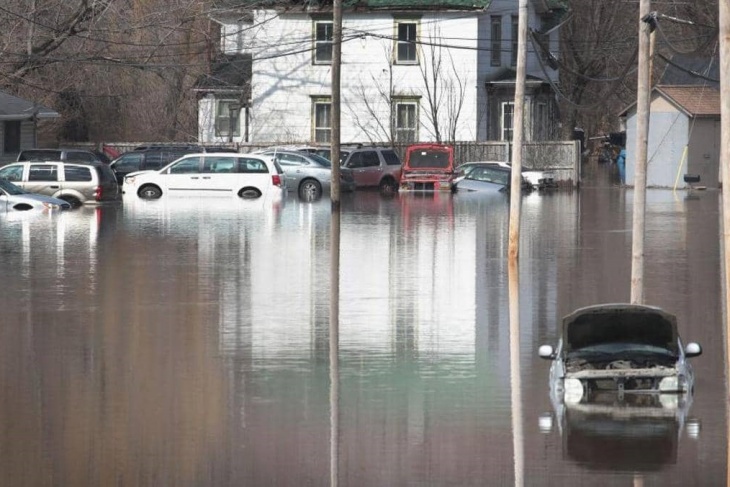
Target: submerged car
{"type": "Point", "coordinates": [619, 348]}
{"type": "Point", "coordinates": [428, 167]}
{"type": "Point", "coordinates": [15, 198]}
{"type": "Point", "coordinates": [530, 179]}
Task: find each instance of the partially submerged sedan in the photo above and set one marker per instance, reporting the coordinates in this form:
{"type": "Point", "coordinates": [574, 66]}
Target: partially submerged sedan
{"type": "Point", "coordinates": [621, 348]}
{"type": "Point", "coordinates": [14, 198]}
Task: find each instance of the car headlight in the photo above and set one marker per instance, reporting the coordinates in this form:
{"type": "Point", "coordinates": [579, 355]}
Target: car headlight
{"type": "Point", "coordinates": [573, 391]}
{"type": "Point", "coordinates": [129, 180]}
{"type": "Point", "coordinates": [51, 206]}
{"type": "Point", "coordinates": [673, 384]}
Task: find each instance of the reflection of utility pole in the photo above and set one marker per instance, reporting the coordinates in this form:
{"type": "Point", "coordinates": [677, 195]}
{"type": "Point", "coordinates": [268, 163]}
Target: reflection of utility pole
{"type": "Point", "coordinates": [642, 140]}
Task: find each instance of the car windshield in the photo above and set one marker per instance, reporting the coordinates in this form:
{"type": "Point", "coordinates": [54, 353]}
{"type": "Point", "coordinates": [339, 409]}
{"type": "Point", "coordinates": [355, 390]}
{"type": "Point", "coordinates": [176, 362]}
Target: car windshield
{"type": "Point", "coordinates": [10, 188]}
{"type": "Point", "coordinates": [320, 160]}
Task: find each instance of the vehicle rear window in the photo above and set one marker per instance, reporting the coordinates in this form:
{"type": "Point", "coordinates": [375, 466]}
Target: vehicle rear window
{"type": "Point", "coordinates": [40, 155]}
{"type": "Point", "coordinates": [77, 173]}
{"type": "Point", "coordinates": [43, 173]}
{"type": "Point", "coordinates": [391, 158]}
{"type": "Point", "coordinates": [428, 158]}
{"type": "Point", "coordinates": [252, 166]}
{"type": "Point", "coordinates": [370, 159]}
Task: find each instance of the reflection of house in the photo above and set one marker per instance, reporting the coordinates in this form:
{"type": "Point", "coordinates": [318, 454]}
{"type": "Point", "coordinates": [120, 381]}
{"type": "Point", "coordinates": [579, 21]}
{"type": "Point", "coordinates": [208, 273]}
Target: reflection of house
{"type": "Point", "coordinates": [684, 136]}
{"type": "Point", "coordinates": [19, 124]}
{"type": "Point", "coordinates": [412, 70]}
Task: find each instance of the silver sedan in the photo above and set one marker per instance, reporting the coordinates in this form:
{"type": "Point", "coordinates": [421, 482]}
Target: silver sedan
{"type": "Point", "coordinates": [14, 198]}
{"type": "Point", "coordinates": [310, 175]}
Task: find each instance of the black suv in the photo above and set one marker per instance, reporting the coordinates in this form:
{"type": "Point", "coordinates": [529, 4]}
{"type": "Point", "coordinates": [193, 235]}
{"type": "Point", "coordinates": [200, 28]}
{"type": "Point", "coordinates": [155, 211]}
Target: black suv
{"type": "Point", "coordinates": [63, 155]}
{"type": "Point", "coordinates": [149, 158]}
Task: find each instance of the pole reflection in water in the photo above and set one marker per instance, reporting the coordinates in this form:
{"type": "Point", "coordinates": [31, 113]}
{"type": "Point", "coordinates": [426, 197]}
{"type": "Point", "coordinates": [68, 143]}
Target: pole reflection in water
{"type": "Point", "coordinates": [515, 381]}
{"type": "Point", "coordinates": [334, 345]}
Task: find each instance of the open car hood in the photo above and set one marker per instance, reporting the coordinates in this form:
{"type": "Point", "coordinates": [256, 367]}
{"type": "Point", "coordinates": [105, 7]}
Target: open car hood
{"type": "Point", "coordinates": [620, 323]}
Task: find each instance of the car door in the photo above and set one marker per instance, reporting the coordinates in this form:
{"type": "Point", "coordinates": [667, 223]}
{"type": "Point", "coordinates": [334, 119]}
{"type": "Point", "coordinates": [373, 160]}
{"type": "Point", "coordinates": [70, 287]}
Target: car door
{"type": "Point", "coordinates": [356, 165]}
{"type": "Point", "coordinates": [371, 170]}
{"type": "Point", "coordinates": [218, 173]}
{"type": "Point", "coordinates": [42, 178]}
{"type": "Point", "coordinates": [14, 174]}
{"type": "Point", "coordinates": [183, 176]}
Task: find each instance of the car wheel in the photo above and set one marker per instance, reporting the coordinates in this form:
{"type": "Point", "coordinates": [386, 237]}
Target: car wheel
{"type": "Point", "coordinates": [310, 190]}
{"type": "Point", "coordinates": [388, 186]}
{"type": "Point", "coordinates": [149, 192]}
{"type": "Point", "coordinates": [74, 202]}
{"type": "Point", "coordinates": [249, 193]}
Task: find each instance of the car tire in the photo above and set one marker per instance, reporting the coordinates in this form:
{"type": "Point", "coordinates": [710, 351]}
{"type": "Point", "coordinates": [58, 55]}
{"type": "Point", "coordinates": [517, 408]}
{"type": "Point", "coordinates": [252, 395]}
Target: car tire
{"type": "Point", "coordinates": [310, 190]}
{"type": "Point", "coordinates": [388, 186]}
{"type": "Point", "coordinates": [249, 193]}
{"type": "Point", "coordinates": [71, 200]}
{"type": "Point", "coordinates": [149, 192]}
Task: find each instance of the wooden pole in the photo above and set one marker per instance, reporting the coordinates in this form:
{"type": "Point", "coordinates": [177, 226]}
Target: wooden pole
{"type": "Point", "coordinates": [334, 348]}
{"type": "Point", "coordinates": [642, 141]}
{"type": "Point", "coordinates": [336, 67]}
{"type": "Point", "coordinates": [514, 245]}
{"type": "Point", "coordinates": [724, 20]}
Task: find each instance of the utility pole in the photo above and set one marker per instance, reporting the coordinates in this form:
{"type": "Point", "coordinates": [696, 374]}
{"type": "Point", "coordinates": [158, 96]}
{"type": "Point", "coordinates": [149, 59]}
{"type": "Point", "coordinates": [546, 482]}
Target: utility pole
{"type": "Point", "coordinates": [642, 141]}
{"type": "Point", "coordinates": [335, 135]}
{"type": "Point", "coordinates": [725, 174]}
{"type": "Point", "coordinates": [515, 210]}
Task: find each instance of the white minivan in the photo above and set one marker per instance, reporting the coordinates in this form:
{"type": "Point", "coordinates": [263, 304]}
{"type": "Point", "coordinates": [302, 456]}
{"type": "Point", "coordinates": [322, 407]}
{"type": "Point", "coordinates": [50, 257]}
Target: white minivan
{"type": "Point", "coordinates": [246, 175]}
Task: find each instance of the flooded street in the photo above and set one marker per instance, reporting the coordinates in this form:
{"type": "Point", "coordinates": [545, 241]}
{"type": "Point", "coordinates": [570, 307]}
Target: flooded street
{"type": "Point", "coordinates": [185, 342]}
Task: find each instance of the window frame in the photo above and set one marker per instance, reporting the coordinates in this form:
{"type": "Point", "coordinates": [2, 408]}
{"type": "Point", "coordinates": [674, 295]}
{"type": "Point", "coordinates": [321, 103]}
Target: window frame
{"type": "Point", "coordinates": [503, 129]}
{"type": "Point", "coordinates": [410, 44]}
{"type": "Point", "coordinates": [317, 103]}
{"type": "Point", "coordinates": [219, 118]}
{"type": "Point", "coordinates": [397, 129]}
{"type": "Point", "coordinates": [322, 43]}
{"type": "Point", "coordinates": [495, 43]}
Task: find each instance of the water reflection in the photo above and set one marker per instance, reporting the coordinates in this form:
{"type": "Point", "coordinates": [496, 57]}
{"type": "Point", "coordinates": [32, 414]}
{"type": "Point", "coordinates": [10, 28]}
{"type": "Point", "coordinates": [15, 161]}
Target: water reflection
{"type": "Point", "coordinates": [186, 342]}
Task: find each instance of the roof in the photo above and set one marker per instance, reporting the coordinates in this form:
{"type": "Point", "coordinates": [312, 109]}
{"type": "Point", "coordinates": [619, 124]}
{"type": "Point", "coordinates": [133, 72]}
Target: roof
{"type": "Point", "coordinates": [14, 108]}
{"type": "Point", "coordinates": [695, 101]}
{"type": "Point", "coordinates": [509, 76]}
{"type": "Point", "coordinates": [228, 73]}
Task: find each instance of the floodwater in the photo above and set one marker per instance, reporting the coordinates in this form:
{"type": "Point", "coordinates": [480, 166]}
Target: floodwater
{"type": "Point", "coordinates": [186, 342]}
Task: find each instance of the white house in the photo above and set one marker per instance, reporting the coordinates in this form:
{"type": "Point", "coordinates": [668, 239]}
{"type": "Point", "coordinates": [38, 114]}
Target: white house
{"type": "Point", "coordinates": [412, 70]}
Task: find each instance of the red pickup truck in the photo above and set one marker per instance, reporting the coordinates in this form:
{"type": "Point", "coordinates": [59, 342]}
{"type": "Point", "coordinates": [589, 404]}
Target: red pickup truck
{"type": "Point", "coordinates": [428, 167]}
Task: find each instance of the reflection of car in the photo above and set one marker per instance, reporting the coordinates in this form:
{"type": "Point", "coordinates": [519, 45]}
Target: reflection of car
{"type": "Point", "coordinates": [246, 175]}
{"type": "Point", "coordinates": [66, 155]}
{"type": "Point", "coordinates": [375, 167]}
{"type": "Point", "coordinates": [634, 432]}
{"type": "Point", "coordinates": [15, 198]}
{"type": "Point", "coordinates": [623, 348]}
{"type": "Point", "coordinates": [308, 174]}
{"type": "Point", "coordinates": [428, 167]}
{"type": "Point", "coordinates": [76, 183]}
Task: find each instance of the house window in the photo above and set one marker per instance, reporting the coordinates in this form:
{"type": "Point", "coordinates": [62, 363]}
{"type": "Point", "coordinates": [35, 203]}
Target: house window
{"type": "Point", "coordinates": [406, 44]}
{"type": "Point", "coordinates": [541, 122]}
{"type": "Point", "coordinates": [507, 118]}
{"type": "Point", "coordinates": [322, 115]}
{"type": "Point", "coordinates": [515, 43]}
{"type": "Point", "coordinates": [227, 118]}
{"type": "Point", "coordinates": [406, 120]}
{"type": "Point", "coordinates": [496, 40]}
{"type": "Point", "coordinates": [322, 42]}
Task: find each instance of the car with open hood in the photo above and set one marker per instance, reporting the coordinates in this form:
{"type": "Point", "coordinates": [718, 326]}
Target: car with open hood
{"type": "Point", "coordinates": [428, 167]}
{"type": "Point", "coordinates": [622, 349]}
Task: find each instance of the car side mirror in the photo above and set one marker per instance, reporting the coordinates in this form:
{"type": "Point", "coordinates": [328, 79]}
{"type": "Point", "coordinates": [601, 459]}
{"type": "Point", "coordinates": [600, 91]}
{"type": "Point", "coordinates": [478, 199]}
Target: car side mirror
{"type": "Point", "coordinates": [692, 350]}
{"type": "Point", "coordinates": [546, 352]}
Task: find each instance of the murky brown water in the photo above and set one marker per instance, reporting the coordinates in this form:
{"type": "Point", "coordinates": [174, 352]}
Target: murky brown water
{"type": "Point", "coordinates": [186, 343]}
